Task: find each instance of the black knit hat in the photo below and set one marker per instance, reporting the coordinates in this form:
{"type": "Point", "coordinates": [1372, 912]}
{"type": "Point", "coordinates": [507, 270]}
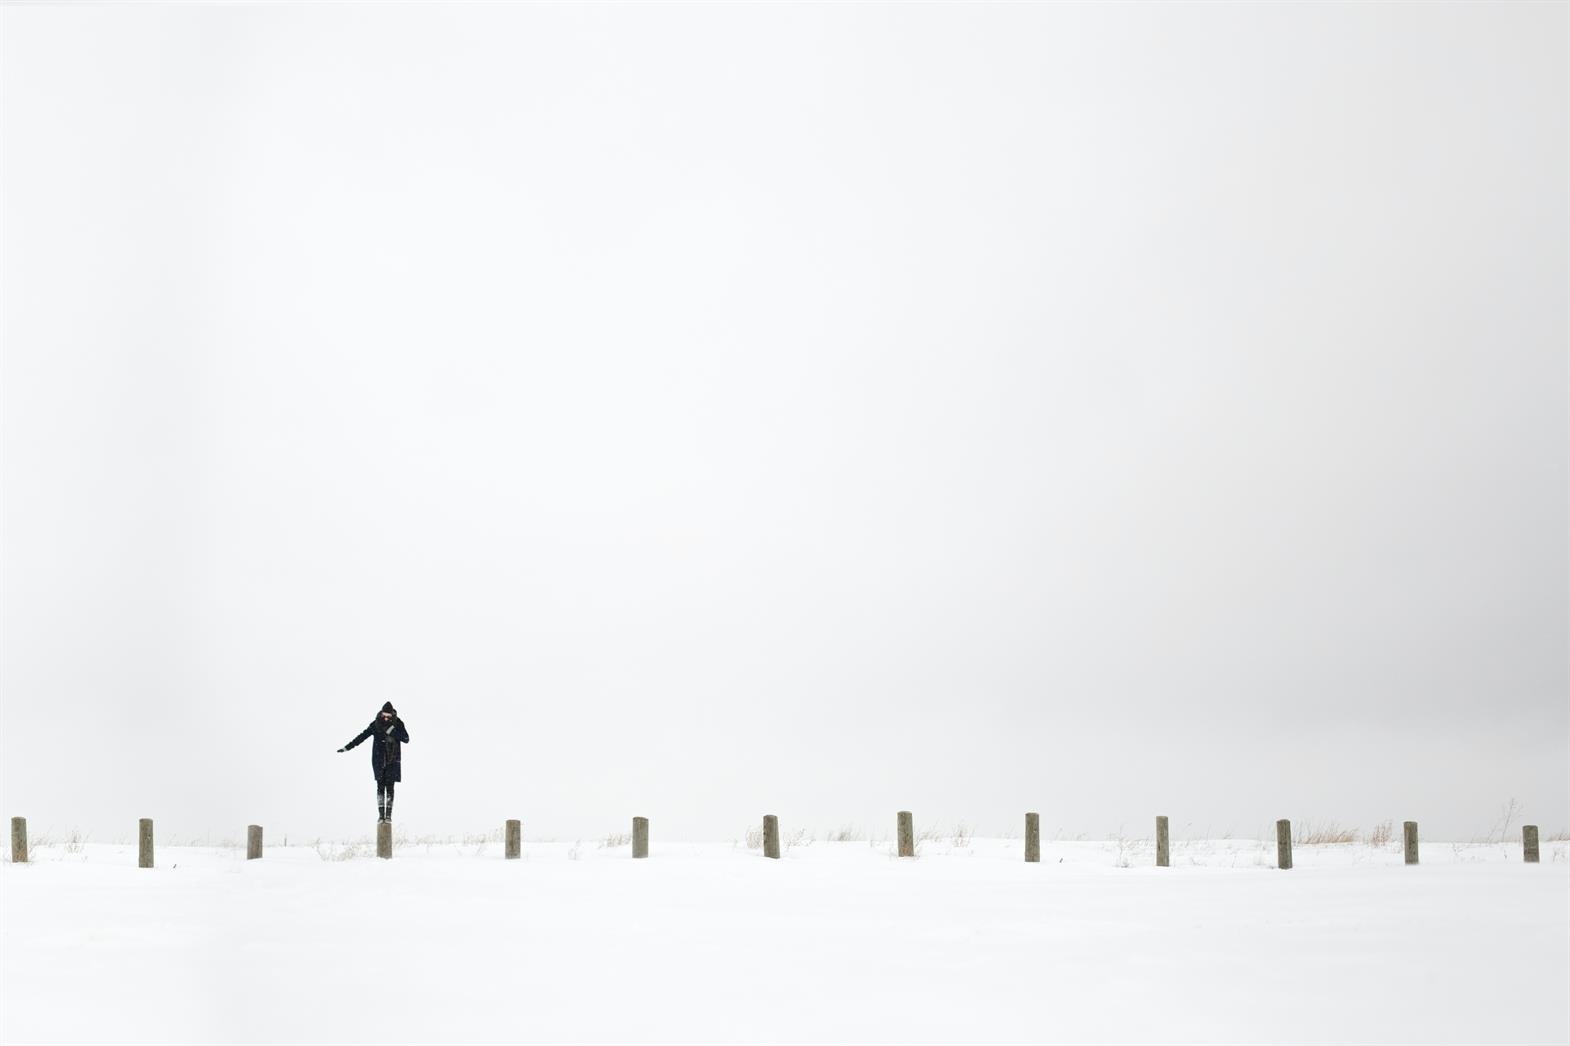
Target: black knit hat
{"type": "Point", "coordinates": [387, 707]}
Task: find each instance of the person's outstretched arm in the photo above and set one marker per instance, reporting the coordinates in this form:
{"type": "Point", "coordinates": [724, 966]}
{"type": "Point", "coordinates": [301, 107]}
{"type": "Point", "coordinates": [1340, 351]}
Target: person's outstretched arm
{"type": "Point", "coordinates": [361, 736]}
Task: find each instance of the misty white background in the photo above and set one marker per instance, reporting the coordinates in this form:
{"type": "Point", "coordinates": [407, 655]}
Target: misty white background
{"type": "Point", "coordinates": [699, 411]}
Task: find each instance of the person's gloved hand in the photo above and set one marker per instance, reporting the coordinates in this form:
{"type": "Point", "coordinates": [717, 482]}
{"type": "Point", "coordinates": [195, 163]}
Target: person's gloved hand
{"type": "Point", "coordinates": [343, 749]}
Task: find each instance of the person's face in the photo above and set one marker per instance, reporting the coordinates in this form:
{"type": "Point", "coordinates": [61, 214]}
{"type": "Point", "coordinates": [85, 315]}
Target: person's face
{"type": "Point", "coordinates": [386, 716]}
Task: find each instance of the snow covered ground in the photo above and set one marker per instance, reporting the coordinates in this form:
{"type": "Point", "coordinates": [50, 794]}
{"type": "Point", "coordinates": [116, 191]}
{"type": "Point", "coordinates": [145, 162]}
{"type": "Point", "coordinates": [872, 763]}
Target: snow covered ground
{"type": "Point", "coordinates": [836, 942]}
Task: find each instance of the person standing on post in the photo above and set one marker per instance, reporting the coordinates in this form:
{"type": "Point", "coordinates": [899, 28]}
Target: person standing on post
{"type": "Point", "coordinates": [389, 736]}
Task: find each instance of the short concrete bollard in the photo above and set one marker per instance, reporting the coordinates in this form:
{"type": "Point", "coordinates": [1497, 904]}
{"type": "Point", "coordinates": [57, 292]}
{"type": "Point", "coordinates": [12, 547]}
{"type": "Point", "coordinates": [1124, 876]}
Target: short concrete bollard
{"type": "Point", "coordinates": [1283, 844]}
{"type": "Point", "coordinates": [905, 829]}
{"type": "Point", "coordinates": [253, 842]}
{"type": "Point", "coordinates": [18, 840]}
{"type": "Point", "coordinates": [384, 839]}
{"type": "Point", "coordinates": [514, 839]}
{"type": "Point", "coordinates": [1409, 841]}
{"type": "Point", "coordinates": [640, 837]}
{"type": "Point", "coordinates": [771, 836]}
{"type": "Point", "coordinates": [144, 843]}
{"type": "Point", "coordinates": [1163, 843]}
{"type": "Point", "coordinates": [1033, 838]}
{"type": "Point", "coordinates": [1529, 844]}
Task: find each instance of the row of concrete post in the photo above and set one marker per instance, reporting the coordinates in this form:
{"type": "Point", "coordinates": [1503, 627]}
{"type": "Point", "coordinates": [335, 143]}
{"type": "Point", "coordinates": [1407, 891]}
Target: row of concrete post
{"type": "Point", "coordinates": [1529, 848]}
{"type": "Point", "coordinates": [905, 836]}
{"type": "Point", "coordinates": [907, 844]}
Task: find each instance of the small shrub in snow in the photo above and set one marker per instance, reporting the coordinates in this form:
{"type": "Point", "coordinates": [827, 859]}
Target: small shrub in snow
{"type": "Point", "coordinates": [1500, 832]}
{"type": "Point", "coordinates": [1123, 856]}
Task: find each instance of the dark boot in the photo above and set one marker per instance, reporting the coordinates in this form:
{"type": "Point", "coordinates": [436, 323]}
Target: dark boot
{"type": "Point", "coordinates": [381, 807]}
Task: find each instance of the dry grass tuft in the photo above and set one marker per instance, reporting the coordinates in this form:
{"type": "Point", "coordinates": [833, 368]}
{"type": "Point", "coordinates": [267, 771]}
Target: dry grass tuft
{"type": "Point", "coordinates": [349, 851]}
{"type": "Point", "coordinates": [1327, 834]}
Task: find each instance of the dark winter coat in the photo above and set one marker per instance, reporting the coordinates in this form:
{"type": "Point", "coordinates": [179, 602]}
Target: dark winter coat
{"type": "Point", "coordinates": [387, 741]}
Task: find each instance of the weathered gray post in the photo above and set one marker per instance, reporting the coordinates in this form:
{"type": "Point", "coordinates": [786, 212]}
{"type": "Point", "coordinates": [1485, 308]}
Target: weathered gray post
{"type": "Point", "coordinates": [253, 842]}
{"type": "Point", "coordinates": [1032, 838]}
{"type": "Point", "coordinates": [1283, 844]}
{"type": "Point", "coordinates": [1163, 843]}
{"type": "Point", "coordinates": [18, 840]}
{"type": "Point", "coordinates": [640, 837]}
{"type": "Point", "coordinates": [771, 836]}
{"type": "Point", "coordinates": [1409, 840]}
{"type": "Point", "coordinates": [1529, 843]}
{"type": "Point", "coordinates": [144, 843]}
{"type": "Point", "coordinates": [905, 828]}
{"type": "Point", "coordinates": [514, 839]}
{"type": "Point", "coordinates": [384, 839]}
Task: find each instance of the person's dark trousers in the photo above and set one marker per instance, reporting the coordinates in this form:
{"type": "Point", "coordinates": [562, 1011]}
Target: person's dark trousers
{"type": "Point", "coordinates": [384, 800]}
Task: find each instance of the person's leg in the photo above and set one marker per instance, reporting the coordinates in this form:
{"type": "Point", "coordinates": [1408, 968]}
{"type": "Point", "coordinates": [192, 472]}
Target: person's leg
{"type": "Point", "coordinates": [389, 786]}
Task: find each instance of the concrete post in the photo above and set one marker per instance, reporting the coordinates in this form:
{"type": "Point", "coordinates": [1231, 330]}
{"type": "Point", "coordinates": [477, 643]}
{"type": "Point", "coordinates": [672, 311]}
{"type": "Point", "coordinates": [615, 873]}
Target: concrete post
{"type": "Point", "coordinates": [1529, 844]}
{"type": "Point", "coordinates": [905, 828]}
{"type": "Point", "coordinates": [1163, 843]}
{"type": "Point", "coordinates": [1032, 838]}
{"type": "Point", "coordinates": [640, 837]}
{"type": "Point", "coordinates": [1409, 840]}
{"type": "Point", "coordinates": [253, 842]}
{"type": "Point", "coordinates": [514, 839]}
{"type": "Point", "coordinates": [18, 840]}
{"type": "Point", "coordinates": [1283, 844]}
{"type": "Point", "coordinates": [384, 839]}
{"type": "Point", "coordinates": [144, 843]}
{"type": "Point", "coordinates": [771, 836]}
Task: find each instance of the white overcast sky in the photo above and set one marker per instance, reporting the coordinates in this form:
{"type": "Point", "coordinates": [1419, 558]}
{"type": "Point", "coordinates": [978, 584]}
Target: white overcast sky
{"type": "Point", "coordinates": [703, 410]}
